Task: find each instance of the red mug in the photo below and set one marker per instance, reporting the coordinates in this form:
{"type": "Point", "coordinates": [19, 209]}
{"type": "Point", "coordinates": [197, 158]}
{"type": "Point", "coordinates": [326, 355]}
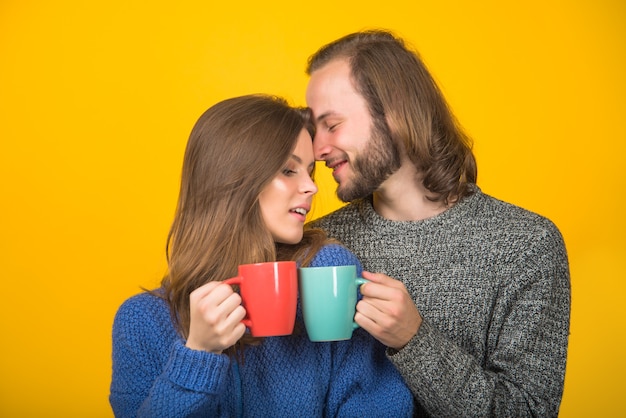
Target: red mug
{"type": "Point", "coordinates": [269, 293]}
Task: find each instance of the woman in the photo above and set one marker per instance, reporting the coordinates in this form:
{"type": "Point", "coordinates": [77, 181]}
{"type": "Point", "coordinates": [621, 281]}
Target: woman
{"type": "Point", "coordinates": [182, 350]}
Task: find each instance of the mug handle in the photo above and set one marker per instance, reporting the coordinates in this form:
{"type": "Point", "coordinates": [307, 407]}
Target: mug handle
{"type": "Point", "coordinates": [234, 280]}
{"type": "Point", "coordinates": [359, 281]}
{"type": "Point", "coordinates": [238, 280]}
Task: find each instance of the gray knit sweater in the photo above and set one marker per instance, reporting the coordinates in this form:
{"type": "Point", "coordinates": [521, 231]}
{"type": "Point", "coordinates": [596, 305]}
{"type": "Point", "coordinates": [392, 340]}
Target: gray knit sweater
{"type": "Point", "coordinates": [491, 281]}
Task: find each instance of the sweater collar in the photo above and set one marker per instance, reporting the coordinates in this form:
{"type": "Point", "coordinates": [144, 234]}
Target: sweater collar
{"type": "Point", "coordinates": [365, 207]}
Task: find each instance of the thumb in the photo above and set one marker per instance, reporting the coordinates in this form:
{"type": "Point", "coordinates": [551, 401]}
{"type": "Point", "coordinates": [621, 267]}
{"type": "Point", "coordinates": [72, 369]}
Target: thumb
{"type": "Point", "coordinates": [375, 277]}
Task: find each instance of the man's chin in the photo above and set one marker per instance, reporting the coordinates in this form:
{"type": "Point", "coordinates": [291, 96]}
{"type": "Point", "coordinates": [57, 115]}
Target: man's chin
{"type": "Point", "coordinates": [346, 194]}
{"type": "Point", "coordinates": [341, 194]}
{"type": "Point", "coordinates": [344, 200]}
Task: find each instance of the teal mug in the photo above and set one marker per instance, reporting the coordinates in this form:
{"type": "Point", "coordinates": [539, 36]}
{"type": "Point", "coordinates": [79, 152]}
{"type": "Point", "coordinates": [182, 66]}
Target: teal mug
{"type": "Point", "coordinates": [329, 296]}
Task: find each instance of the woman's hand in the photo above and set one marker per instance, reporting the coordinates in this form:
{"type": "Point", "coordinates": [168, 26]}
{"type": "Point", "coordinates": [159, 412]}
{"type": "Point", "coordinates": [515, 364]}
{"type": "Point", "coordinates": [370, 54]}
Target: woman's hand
{"type": "Point", "coordinates": [215, 318]}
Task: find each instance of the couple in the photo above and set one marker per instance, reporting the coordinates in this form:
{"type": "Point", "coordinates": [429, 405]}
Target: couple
{"type": "Point", "coordinates": [467, 309]}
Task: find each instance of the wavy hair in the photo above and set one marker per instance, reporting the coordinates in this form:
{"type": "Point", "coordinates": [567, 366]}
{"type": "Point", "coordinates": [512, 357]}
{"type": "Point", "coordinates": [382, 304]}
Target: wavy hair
{"type": "Point", "coordinates": [403, 95]}
{"type": "Point", "coordinates": [234, 150]}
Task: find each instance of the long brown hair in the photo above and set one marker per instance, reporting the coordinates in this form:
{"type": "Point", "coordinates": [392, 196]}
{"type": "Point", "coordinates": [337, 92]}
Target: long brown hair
{"type": "Point", "coordinates": [234, 150]}
{"type": "Point", "coordinates": [403, 95]}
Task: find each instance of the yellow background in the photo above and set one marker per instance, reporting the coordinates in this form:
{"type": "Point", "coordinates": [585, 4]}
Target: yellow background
{"type": "Point", "coordinates": [97, 100]}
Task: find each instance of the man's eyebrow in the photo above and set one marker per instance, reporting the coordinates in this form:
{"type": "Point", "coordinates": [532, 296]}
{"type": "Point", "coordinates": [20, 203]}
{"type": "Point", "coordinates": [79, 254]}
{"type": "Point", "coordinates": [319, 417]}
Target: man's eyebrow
{"type": "Point", "coordinates": [323, 116]}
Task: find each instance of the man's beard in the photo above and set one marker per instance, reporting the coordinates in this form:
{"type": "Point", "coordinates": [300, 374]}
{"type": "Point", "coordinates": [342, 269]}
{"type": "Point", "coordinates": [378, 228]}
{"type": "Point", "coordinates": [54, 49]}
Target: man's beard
{"type": "Point", "coordinates": [370, 168]}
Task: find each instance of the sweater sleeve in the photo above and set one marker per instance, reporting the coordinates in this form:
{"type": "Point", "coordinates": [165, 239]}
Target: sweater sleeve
{"type": "Point", "coordinates": [524, 370]}
{"type": "Point", "coordinates": [363, 383]}
{"type": "Point", "coordinates": [154, 374]}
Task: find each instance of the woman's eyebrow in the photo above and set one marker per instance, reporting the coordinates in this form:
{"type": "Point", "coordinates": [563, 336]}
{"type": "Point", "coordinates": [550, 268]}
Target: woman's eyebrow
{"type": "Point", "coordinates": [299, 160]}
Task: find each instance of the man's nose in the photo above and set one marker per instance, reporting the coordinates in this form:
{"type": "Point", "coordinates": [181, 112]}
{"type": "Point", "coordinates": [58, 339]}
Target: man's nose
{"type": "Point", "coordinates": [321, 146]}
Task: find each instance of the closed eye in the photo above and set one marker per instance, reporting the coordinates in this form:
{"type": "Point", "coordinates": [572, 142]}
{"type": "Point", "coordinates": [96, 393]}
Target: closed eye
{"type": "Point", "coordinates": [330, 127]}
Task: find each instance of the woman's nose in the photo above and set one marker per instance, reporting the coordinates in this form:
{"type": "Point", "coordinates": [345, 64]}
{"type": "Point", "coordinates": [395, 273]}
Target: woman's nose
{"type": "Point", "coordinates": [309, 185]}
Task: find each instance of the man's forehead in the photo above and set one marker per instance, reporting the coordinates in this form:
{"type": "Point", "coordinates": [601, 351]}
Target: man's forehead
{"type": "Point", "coordinates": [330, 92]}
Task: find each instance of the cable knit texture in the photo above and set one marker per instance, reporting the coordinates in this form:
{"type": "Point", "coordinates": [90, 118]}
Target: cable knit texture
{"type": "Point", "coordinates": [155, 375]}
{"type": "Point", "coordinates": [491, 281]}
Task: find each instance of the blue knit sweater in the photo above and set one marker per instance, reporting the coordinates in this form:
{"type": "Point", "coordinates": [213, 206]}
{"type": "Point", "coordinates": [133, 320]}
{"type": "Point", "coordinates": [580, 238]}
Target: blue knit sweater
{"type": "Point", "coordinates": [155, 375]}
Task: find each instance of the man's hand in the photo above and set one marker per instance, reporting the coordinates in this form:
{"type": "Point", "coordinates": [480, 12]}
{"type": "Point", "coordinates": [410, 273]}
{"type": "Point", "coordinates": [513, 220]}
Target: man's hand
{"type": "Point", "coordinates": [387, 311]}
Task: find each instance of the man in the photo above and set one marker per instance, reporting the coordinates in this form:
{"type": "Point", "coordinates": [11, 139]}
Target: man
{"type": "Point", "coordinates": [474, 302]}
